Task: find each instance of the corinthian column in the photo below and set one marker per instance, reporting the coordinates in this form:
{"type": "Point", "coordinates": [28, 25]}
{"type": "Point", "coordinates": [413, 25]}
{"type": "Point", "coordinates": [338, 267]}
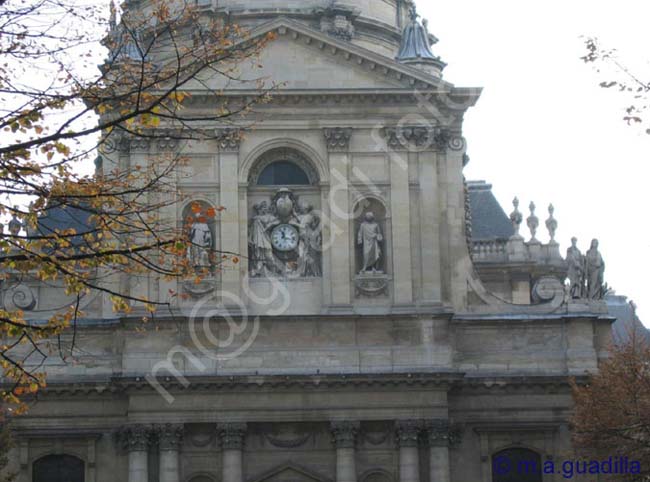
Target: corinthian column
{"type": "Point", "coordinates": [170, 438]}
{"type": "Point", "coordinates": [232, 437]}
{"type": "Point", "coordinates": [438, 437]}
{"type": "Point", "coordinates": [344, 436]}
{"type": "Point", "coordinates": [407, 439]}
{"type": "Point", "coordinates": [136, 440]}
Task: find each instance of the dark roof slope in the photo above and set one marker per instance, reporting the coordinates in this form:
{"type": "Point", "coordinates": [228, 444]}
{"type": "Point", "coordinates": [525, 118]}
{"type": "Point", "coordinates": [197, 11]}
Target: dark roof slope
{"type": "Point", "coordinates": [62, 218]}
{"type": "Point", "coordinates": [627, 323]}
{"type": "Point", "coordinates": [489, 220]}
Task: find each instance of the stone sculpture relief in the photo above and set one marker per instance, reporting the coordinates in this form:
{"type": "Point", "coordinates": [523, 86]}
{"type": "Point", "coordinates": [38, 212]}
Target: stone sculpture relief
{"type": "Point", "coordinates": [285, 238]}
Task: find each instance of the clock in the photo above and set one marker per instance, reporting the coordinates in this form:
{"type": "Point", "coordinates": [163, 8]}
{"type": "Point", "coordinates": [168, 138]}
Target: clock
{"type": "Point", "coordinates": [284, 238]}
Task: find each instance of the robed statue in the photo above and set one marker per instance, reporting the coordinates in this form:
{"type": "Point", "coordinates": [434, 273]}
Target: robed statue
{"type": "Point", "coordinates": [370, 238]}
{"type": "Point", "coordinates": [594, 272]}
{"type": "Point", "coordinates": [200, 237]}
{"type": "Point", "coordinates": [575, 265]}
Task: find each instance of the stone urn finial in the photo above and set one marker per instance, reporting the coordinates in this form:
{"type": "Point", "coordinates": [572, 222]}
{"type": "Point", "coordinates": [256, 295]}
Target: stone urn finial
{"type": "Point", "coordinates": [533, 223]}
{"type": "Point", "coordinates": [551, 223]}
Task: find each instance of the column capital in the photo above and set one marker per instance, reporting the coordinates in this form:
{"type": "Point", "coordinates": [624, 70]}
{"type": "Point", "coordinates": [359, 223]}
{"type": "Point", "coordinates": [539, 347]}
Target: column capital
{"type": "Point", "coordinates": [408, 432]}
{"type": "Point", "coordinates": [440, 433]}
{"type": "Point", "coordinates": [338, 138]}
{"type": "Point", "coordinates": [422, 138]}
{"type": "Point", "coordinates": [170, 436]}
{"type": "Point", "coordinates": [136, 438]}
{"type": "Point", "coordinates": [229, 140]}
{"type": "Point", "coordinates": [232, 435]}
{"type": "Point", "coordinates": [344, 434]}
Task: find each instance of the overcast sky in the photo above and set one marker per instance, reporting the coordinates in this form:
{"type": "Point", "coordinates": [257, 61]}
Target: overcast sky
{"type": "Point", "coordinates": [544, 131]}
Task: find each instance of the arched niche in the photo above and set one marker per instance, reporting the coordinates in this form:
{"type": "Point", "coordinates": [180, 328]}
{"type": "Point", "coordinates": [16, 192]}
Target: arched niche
{"type": "Point", "coordinates": [372, 248]}
{"type": "Point", "coordinates": [58, 468]}
{"type": "Point", "coordinates": [517, 464]}
{"type": "Point", "coordinates": [284, 216]}
{"type": "Point", "coordinates": [201, 478]}
{"type": "Point", "coordinates": [376, 475]}
{"type": "Point", "coordinates": [199, 225]}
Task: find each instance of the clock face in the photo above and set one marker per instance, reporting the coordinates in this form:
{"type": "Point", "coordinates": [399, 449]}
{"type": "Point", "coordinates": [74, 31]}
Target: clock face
{"type": "Point", "coordinates": [284, 238]}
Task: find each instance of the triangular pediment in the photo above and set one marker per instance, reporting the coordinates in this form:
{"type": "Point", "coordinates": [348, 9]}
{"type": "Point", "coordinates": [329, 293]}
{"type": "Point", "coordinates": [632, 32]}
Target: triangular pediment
{"type": "Point", "coordinates": [301, 58]}
{"type": "Point", "coordinates": [289, 472]}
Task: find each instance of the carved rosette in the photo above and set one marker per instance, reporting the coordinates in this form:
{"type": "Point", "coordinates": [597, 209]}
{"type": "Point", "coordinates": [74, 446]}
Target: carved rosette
{"type": "Point", "coordinates": [229, 140]}
{"type": "Point", "coordinates": [338, 138]}
{"type": "Point", "coordinates": [408, 432]}
{"type": "Point", "coordinates": [232, 435]}
{"type": "Point", "coordinates": [344, 434]}
{"type": "Point", "coordinates": [136, 438]}
{"type": "Point", "coordinates": [170, 437]}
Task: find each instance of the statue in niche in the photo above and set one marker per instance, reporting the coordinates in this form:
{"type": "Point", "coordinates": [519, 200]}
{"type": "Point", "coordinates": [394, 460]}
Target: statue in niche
{"type": "Point", "coordinates": [285, 238]}
{"type": "Point", "coordinates": [261, 250]}
{"type": "Point", "coordinates": [370, 238]}
{"type": "Point", "coordinates": [200, 237]}
{"type": "Point", "coordinates": [594, 272]}
{"type": "Point", "coordinates": [575, 262]}
{"type": "Point", "coordinates": [309, 245]}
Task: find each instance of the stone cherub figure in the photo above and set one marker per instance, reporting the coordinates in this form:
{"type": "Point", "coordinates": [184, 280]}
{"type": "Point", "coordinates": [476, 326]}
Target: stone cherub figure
{"type": "Point", "coordinates": [575, 262]}
{"type": "Point", "coordinates": [594, 272]}
{"type": "Point", "coordinates": [370, 238]}
{"type": "Point", "coordinates": [200, 237]}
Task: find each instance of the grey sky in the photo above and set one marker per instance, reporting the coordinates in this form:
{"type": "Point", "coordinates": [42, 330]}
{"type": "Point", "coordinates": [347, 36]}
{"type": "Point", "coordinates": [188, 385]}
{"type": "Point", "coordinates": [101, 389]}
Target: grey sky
{"type": "Point", "coordinates": [543, 129]}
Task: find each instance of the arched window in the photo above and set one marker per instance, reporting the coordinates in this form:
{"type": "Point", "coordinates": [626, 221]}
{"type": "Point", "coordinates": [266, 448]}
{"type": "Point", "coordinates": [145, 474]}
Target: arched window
{"type": "Point", "coordinates": [516, 465]}
{"type": "Point", "coordinates": [283, 167]}
{"type": "Point", "coordinates": [58, 468]}
{"type": "Point", "coordinates": [283, 173]}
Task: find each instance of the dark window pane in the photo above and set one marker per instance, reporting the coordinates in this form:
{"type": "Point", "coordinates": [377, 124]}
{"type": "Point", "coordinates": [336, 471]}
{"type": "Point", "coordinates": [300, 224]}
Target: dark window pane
{"type": "Point", "coordinates": [283, 173]}
{"type": "Point", "coordinates": [58, 468]}
{"type": "Point", "coordinates": [517, 465]}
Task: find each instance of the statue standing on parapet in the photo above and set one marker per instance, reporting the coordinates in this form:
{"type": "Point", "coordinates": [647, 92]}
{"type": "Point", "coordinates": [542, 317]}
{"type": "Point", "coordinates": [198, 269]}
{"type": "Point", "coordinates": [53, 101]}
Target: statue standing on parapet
{"type": "Point", "coordinates": [594, 272]}
{"type": "Point", "coordinates": [575, 262]}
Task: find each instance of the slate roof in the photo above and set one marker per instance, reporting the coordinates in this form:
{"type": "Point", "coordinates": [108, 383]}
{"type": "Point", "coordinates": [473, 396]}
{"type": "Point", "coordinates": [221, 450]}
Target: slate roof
{"type": "Point", "coordinates": [62, 218]}
{"type": "Point", "coordinates": [489, 220]}
{"type": "Point", "coordinates": [627, 323]}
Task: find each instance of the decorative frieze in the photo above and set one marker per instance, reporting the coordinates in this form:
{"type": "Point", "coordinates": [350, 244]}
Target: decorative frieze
{"type": "Point", "coordinates": [344, 434]}
{"type": "Point", "coordinates": [170, 437]}
{"type": "Point", "coordinates": [338, 138]}
{"type": "Point", "coordinates": [232, 435]}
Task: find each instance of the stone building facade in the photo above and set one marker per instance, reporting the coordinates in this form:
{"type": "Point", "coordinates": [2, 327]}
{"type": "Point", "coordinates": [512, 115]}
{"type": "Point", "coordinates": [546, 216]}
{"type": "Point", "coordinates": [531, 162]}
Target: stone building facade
{"type": "Point", "coordinates": [367, 335]}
